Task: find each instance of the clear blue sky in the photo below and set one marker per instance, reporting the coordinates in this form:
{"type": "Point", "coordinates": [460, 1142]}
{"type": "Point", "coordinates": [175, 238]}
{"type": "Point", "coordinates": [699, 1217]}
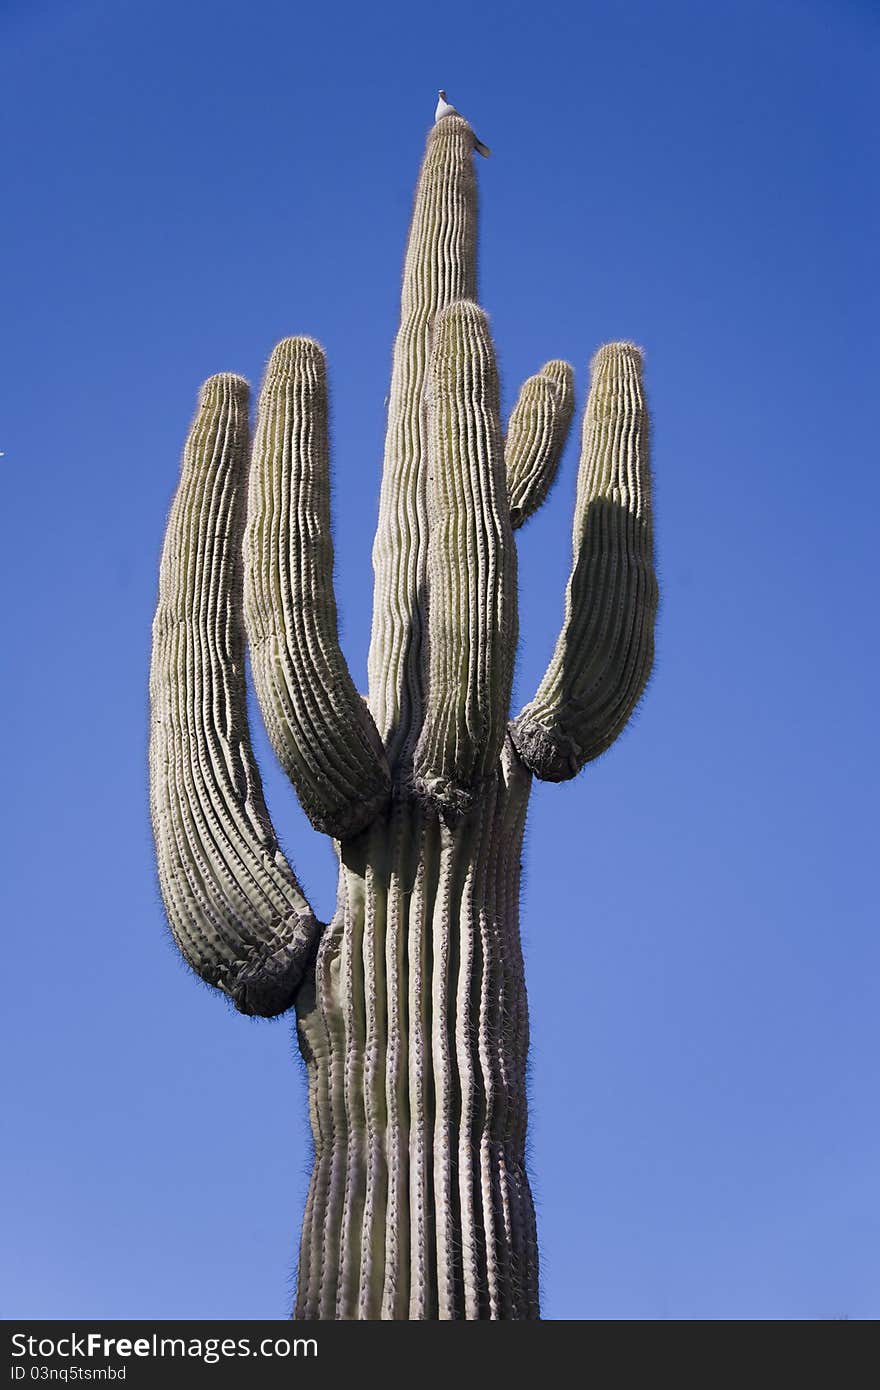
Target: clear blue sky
{"type": "Point", "coordinates": [184, 183]}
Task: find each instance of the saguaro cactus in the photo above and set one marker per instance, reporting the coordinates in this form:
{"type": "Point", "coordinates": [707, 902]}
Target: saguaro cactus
{"type": "Point", "coordinates": [410, 1003]}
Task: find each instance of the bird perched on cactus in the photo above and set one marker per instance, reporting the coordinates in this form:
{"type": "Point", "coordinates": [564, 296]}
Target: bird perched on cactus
{"type": "Point", "coordinates": [410, 1003]}
{"type": "Point", "coordinates": [444, 108]}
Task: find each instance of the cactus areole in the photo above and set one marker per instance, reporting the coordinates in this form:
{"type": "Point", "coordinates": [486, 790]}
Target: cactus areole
{"type": "Point", "coordinates": [411, 1003]}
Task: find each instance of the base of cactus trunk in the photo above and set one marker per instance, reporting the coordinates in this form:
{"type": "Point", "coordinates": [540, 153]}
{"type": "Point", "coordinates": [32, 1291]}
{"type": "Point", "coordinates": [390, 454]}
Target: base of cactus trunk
{"type": "Point", "coordinates": [414, 1028]}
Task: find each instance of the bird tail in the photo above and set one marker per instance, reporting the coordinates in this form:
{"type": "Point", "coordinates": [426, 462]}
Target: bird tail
{"type": "Point", "coordinates": [482, 149]}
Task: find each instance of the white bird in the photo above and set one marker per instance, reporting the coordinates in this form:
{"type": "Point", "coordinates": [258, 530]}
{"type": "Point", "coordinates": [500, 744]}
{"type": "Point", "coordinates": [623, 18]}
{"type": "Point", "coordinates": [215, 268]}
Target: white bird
{"type": "Point", "coordinates": [444, 108]}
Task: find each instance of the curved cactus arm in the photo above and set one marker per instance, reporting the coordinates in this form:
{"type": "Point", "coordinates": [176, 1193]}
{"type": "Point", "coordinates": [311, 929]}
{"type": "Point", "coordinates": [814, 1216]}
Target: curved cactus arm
{"type": "Point", "coordinates": [472, 620]}
{"type": "Point", "coordinates": [234, 905]}
{"type": "Point", "coordinates": [536, 435]}
{"type": "Point", "coordinates": [440, 268]}
{"type": "Point", "coordinates": [605, 651]}
{"type": "Point", "coordinates": [318, 724]}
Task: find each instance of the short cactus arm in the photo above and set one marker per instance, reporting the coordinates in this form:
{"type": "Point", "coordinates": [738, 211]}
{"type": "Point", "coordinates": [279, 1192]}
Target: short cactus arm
{"type": "Point", "coordinates": [319, 726]}
{"type": "Point", "coordinates": [536, 436]}
{"type": "Point", "coordinates": [604, 653]}
{"type": "Point", "coordinates": [440, 268]}
{"type": "Point", "coordinates": [472, 623]}
{"type": "Point", "coordinates": [234, 905]}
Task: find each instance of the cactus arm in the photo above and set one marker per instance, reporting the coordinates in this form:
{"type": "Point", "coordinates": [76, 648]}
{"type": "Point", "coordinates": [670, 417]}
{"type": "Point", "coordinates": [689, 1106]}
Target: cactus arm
{"type": "Point", "coordinates": [320, 728]}
{"type": "Point", "coordinates": [440, 268]}
{"type": "Point", "coordinates": [536, 435]}
{"type": "Point", "coordinates": [472, 623]}
{"type": "Point", "coordinates": [234, 905]}
{"type": "Point", "coordinates": [605, 650]}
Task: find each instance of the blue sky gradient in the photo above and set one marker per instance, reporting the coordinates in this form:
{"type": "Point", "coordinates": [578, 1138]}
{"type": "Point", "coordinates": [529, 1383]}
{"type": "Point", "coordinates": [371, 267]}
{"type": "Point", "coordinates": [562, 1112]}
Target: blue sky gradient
{"type": "Point", "coordinates": [184, 184]}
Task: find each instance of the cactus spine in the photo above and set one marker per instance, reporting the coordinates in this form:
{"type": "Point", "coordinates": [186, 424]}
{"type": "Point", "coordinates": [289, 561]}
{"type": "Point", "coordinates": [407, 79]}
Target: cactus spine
{"type": "Point", "coordinates": [411, 1004]}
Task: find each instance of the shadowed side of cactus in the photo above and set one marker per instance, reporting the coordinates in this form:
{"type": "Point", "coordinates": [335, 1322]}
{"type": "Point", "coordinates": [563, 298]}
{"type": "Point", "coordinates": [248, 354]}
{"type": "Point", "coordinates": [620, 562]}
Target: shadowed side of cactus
{"type": "Point", "coordinates": [411, 1003]}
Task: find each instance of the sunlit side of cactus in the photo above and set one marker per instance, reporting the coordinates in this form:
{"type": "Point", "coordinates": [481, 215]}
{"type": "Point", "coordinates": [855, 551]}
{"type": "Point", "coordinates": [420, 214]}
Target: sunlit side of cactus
{"type": "Point", "coordinates": [411, 1004]}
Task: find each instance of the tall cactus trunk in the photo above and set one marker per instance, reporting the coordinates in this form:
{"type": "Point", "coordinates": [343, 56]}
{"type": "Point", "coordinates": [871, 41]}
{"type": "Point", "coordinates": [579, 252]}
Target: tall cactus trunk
{"type": "Point", "coordinates": [415, 1032]}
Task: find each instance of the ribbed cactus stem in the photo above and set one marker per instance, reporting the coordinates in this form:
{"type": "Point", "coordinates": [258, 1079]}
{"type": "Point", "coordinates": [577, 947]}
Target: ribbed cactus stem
{"type": "Point", "coordinates": [536, 436]}
{"type": "Point", "coordinates": [440, 268]}
{"type": "Point", "coordinates": [319, 726]}
{"type": "Point", "coordinates": [471, 584]}
{"type": "Point", "coordinates": [411, 1008]}
{"type": "Point", "coordinates": [234, 905]}
{"type": "Point", "coordinates": [606, 647]}
{"type": "Point", "coordinates": [416, 1038]}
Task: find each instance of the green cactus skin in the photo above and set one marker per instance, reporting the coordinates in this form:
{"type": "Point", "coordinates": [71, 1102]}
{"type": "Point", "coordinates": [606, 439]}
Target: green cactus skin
{"type": "Point", "coordinates": [411, 1003]}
